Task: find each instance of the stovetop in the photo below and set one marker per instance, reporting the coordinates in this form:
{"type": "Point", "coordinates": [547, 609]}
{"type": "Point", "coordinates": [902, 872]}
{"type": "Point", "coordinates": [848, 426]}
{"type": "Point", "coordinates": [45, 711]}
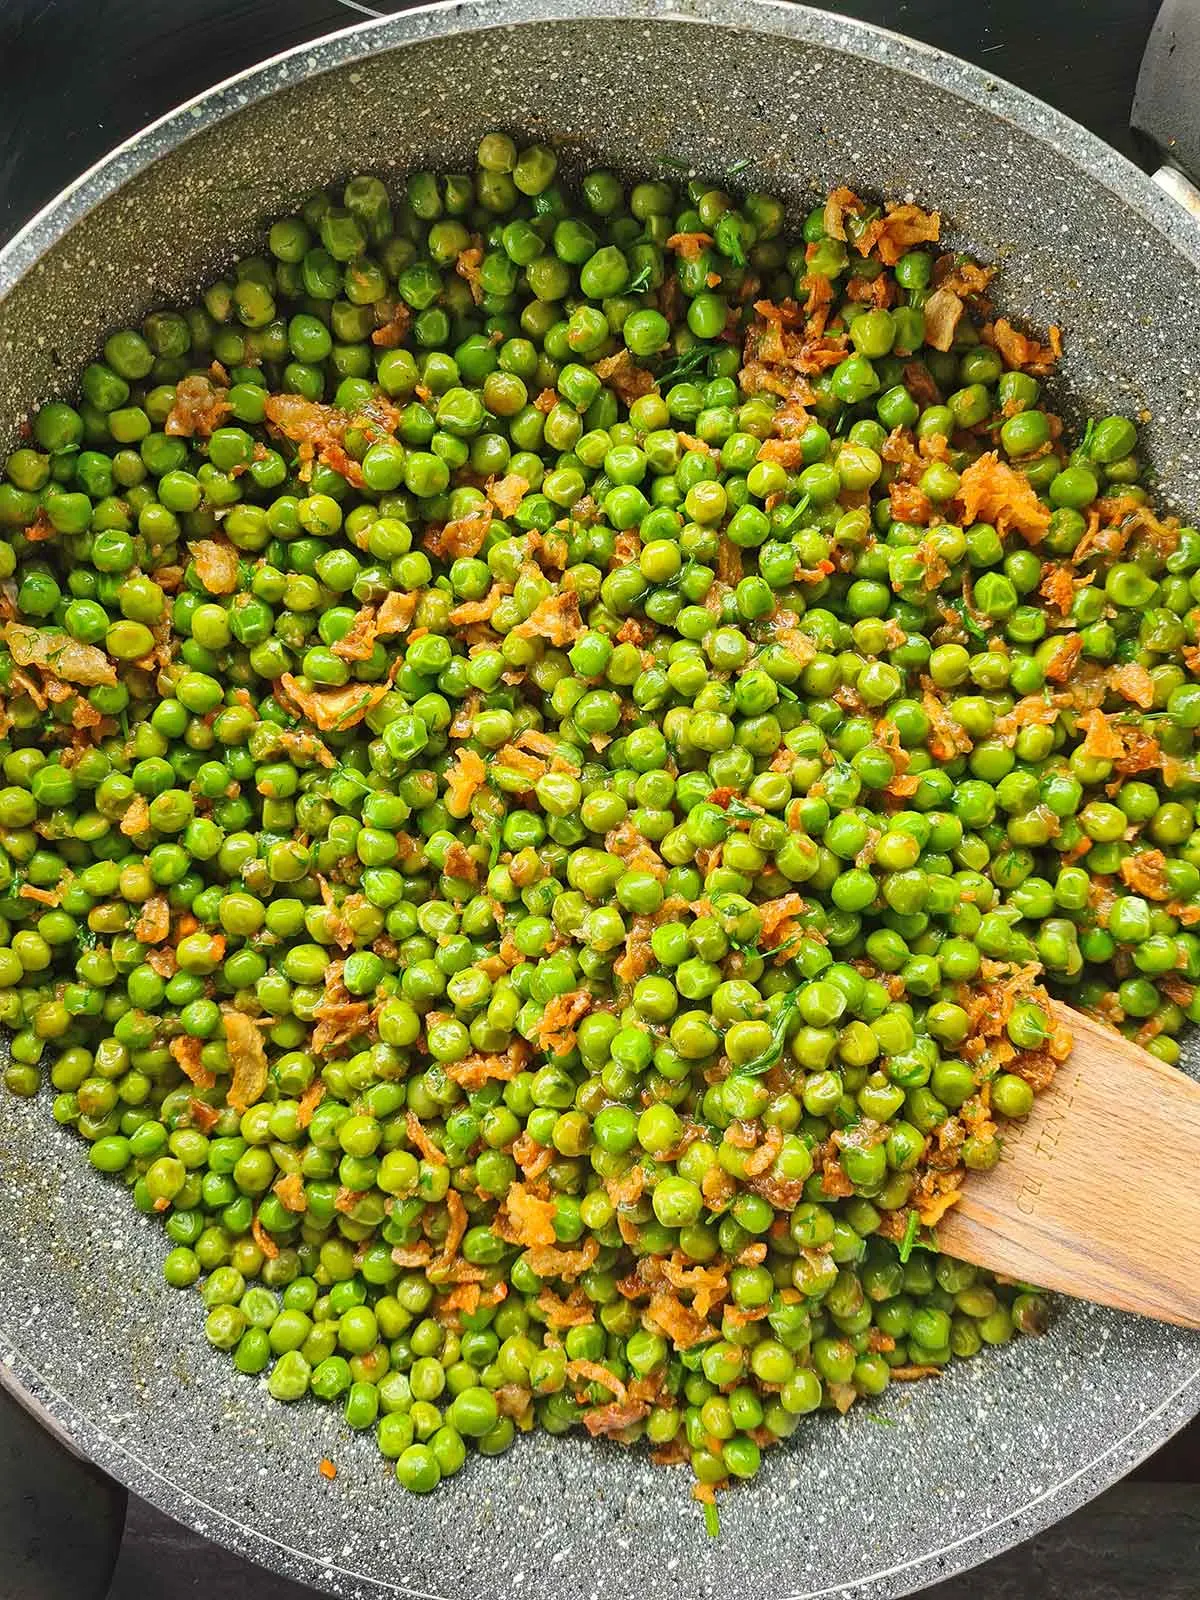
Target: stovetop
{"type": "Point", "coordinates": [79, 78]}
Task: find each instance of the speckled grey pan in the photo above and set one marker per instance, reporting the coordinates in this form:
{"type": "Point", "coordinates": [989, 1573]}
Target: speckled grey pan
{"type": "Point", "coordinates": [941, 1475]}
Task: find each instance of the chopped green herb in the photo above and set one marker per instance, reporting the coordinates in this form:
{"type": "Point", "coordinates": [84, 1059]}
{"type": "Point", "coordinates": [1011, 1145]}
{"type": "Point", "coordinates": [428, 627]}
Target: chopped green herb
{"type": "Point", "coordinates": [641, 279]}
{"type": "Point", "coordinates": [494, 835]}
{"type": "Point", "coordinates": [774, 1051]}
{"type": "Point", "coordinates": [351, 712]}
{"type": "Point", "coordinates": [785, 524]}
{"type": "Point", "coordinates": [968, 621]}
{"type": "Point", "coordinates": [687, 364]}
{"type": "Point", "coordinates": [350, 775]}
{"type": "Point", "coordinates": [911, 1229]}
{"type": "Point", "coordinates": [743, 812]}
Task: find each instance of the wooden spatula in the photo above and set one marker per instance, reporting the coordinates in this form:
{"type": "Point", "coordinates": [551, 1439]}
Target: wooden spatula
{"type": "Point", "coordinates": [1097, 1192]}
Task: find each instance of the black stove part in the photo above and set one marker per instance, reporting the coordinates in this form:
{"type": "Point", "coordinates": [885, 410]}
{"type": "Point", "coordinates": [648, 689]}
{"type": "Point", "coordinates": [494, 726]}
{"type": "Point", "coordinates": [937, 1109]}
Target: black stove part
{"type": "Point", "coordinates": [161, 1560]}
{"type": "Point", "coordinates": [1166, 107]}
{"type": "Point", "coordinates": [1136, 1542]}
{"type": "Point", "coordinates": [60, 1519]}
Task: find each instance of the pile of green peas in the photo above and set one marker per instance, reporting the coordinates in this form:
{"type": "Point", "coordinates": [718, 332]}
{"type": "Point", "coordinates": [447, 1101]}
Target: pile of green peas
{"type": "Point", "coordinates": [747, 734]}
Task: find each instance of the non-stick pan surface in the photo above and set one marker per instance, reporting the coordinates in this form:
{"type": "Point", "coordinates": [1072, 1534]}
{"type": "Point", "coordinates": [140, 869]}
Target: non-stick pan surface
{"type": "Point", "coordinates": [939, 1475]}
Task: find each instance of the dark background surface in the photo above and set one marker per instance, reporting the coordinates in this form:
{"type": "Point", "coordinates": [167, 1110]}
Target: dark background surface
{"type": "Point", "coordinates": [78, 77]}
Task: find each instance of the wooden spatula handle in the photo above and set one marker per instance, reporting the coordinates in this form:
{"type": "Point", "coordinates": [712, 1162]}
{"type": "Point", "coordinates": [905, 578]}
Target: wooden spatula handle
{"type": "Point", "coordinates": [1097, 1193]}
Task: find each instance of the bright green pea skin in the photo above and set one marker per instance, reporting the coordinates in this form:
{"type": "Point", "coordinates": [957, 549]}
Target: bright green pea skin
{"type": "Point", "coordinates": [488, 785]}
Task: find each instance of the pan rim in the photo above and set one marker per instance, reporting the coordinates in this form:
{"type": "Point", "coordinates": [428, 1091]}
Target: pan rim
{"type": "Point", "coordinates": [21, 256]}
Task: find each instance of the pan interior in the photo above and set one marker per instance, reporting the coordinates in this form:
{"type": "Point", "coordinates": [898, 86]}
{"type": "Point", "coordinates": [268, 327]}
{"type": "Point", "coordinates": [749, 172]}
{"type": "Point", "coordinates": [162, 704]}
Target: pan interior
{"type": "Point", "coordinates": [936, 1477]}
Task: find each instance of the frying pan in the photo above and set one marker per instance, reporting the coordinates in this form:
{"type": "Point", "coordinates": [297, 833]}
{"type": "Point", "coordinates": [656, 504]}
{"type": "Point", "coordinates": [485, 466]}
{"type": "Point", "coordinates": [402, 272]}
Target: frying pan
{"type": "Point", "coordinates": [897, 1494]}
